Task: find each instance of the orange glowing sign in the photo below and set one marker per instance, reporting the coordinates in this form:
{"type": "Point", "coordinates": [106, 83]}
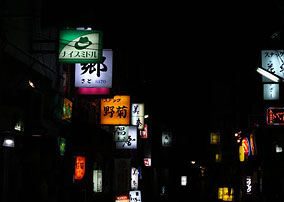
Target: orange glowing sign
{"type": "Point", "coordinates": [116, 111]}
{"type": "Point", "coordinates": [246, 146]}
{"type": "Point", "coordinates": [275, 116]}
{"type": "Point", "coordinates": [79, 167]}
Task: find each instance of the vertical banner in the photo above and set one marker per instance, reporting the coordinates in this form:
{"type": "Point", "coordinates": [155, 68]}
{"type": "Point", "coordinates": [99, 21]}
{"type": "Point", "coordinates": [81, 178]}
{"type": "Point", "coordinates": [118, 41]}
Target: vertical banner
{"type": "Point", "coordinates": [121, 175]}
{"type": "Point", "coordinates": [134, 178]}
{"type": "Point", "coordinates": [79, 167]}
{"type": "Point", "coordinates": [116, 111]}
{"type": "Point", "coordinates": [95, 75]}
{"type": "Point", "coordinates": [137, 115]}
{"type": "Point", "coordinates": [97, 180]}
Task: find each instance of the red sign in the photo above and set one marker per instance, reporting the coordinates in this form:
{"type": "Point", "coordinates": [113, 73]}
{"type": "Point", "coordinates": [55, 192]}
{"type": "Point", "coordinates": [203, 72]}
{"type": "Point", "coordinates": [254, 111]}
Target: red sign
{"type": "Point", "coordinates": [275, 116]}
{"type": "Point", "coordinates": [245, 145]}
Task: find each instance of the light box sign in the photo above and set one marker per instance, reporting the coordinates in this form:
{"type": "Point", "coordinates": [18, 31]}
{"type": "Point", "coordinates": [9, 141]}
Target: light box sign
{"type": "Point", "coordinates": [273, 61]}
{"type": "Point", "coordinates": [275, 116]}
{"type": "Point", "coordinates": [67, 110]}
{"type": "Point", "coordinates": [120, 133]}
{"type": "Point", "coordinates": [95, 75]}
{"type": "Point", "coordinates": [248, 185]}
{"type": "Point", "coordinates": [97, 180]}
{"type": "Point", "coordinates": [137, 115]}
{"type": "Point", "coordinates": [131, 142]}
{"type": "Point", "coordinates": [144, 133]}
{"type": "Point", "coordinates": [80, 46]}
{"type": "Point", "coordinates": [167, 139]}
{"type": "Point", "coordinates": [135, 196]}
{"type": "Point", "coordinates": [134, 178]}
{"type": "Point", "coordinates": [79, 167]}
{"type": "Point", "coordinates": [115, 111]}
{"type": "Point", "coordinates": [147, 162]}
{"type": "Point", "coordinates": [122, 198]}
{"type": "Point", "coordinates": [271, 91]}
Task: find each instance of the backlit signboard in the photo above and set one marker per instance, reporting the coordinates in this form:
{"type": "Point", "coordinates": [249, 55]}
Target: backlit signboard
{"type": "Point", "coordinates": [67, 110]}
{"type": "Point", "coordinates": [273, 61]}
{"type": "Point", "coordinates": [122, 198]}
{"type": "Point", "coordinates": [275, 116]}
{"type": "Point", "coordinates": [147, 162]}
{"type": "Point", "coordinates": [79, 167]}
{"type": "Point", "coordinates": [115, 111]}
{"type": "Point", "coordinates": [131, 142]}
{"type": "Point", "coordinates": [137, 115]}
{"type": "Point", "coordinates": [97, 180]}
{"type": "Point", "coordinates": [167, 139]}
{"type": "Point", "coordinates": [271, 91]}
{"type": "Point", "coordinates": [120, 133]}
{"type": "Point", "coordinates": [134, 178]}
{"type": "Point", "coordinates": [95, 75]}
{"type": "Point", "coordinates": [135, 196]}
{"type": "Point", "coordinates": [248, 185]}
{"type": "Point", "coordinates": [80, 46]}
{"type": "Point", "coordinates": [144, 133]}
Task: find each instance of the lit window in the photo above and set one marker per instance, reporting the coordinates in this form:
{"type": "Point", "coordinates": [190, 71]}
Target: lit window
{"type": "Point", "coordinates": [215, 138]}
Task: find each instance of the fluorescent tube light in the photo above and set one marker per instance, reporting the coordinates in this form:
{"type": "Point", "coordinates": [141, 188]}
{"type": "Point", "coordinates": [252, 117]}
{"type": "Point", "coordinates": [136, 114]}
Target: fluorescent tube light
{"type": "Point", "coordinates": [268, 74]}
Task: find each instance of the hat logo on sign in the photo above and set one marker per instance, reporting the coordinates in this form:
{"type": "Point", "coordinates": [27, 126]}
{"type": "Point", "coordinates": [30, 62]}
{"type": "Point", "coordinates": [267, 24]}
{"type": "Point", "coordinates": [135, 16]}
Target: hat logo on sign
{"type": "Point", "coordinates": [82, 43]}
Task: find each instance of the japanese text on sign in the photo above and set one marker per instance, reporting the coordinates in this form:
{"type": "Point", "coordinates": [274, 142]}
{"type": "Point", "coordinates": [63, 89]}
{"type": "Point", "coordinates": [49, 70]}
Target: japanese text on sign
{"type": "Point", "coordinates": [275, 116]}
{"type": "Point", "coordinates": [115, 111]}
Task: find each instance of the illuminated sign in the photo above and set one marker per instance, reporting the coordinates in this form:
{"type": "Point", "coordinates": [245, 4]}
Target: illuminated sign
{"type": "Point", "coordinates": [80, 46]}
{"type": "Point", "coordinates": [115, 111]}
{"type": "Point", "coordinates": [134, 178]}
{"type": "Point", "coordinates": [122, 198]}
{"type": "Point", "coordinates": [79, 167]}
{"type": "Point", "coordinates": [241, 154]}
{"type": "Point", "coordinates": [214, 138]}
{"type": "Point", "coordinates": [144, 133]}
{"type": "Point", "coordinates": [275, 116]}
{"type": "Point", "coordinates": [271, 91]}
{"type": "Point", "coordinates": [183, 180]}
{"type": "Point", "coordinates": [226, 194]}
{"type": "Point", "coordinates": [167, 139]}
{"type": "Point", "coordinates": [67, 110]}
{"type": "Point", "coordinates": [248, 185]}
{"type": "Point", "coordinates": [147, 162]}
{"type": "Point", "coordinates": [95, 75]}
{"type": "Point", "coordinates": [120, 133]}
{"type": "Point", "coordinates": [246, 146]}
{"type": "Point", "coordinates": [137, 115]}
{"type": "Point", "coordinates": [97, 180]}
{"type": "Point", "coordinates": [135, 196]}
{"type": "Point", "coordinates": [131, 142]}
{"type": "Point", "coordinates": [272, 61]}
{"type": "Point", "coordinates": [62, 145]}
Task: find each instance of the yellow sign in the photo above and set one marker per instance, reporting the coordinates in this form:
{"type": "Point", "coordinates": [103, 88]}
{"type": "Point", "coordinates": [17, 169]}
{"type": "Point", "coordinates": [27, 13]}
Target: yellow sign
{"type": "Point", "coordinates": [116, 111]}
{"type": "Point", "coordinates": [241, 154]}
{"type": "Point", "coordinates": [223, 194]}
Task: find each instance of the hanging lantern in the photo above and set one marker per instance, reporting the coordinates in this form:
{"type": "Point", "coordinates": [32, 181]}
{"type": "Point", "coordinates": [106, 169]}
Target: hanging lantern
{"type": "Point", "coordinates": [79, 167]}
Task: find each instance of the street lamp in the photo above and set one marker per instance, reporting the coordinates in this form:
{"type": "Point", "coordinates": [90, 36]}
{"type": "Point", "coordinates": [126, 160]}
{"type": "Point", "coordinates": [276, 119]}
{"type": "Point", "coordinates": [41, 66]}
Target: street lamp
{"type": "Point", "coordinates": [269, 75]}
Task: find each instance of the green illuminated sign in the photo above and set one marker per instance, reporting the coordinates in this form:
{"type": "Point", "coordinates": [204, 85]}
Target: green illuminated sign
{"type": "Point", "coordinates": [80, 46]}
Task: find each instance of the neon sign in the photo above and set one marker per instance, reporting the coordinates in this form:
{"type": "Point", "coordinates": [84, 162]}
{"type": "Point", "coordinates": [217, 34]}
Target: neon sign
{"type": "Point", "coordinates": [275, 116]}
{"type": "Point", "coordinates": [246, 146]}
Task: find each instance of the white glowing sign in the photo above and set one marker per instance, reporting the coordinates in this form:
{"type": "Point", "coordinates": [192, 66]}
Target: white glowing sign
{"type": "Point", "coordinates": [167, 139]}
{"type": "Point", "coordinates": [134, 178]}
{"type": "Point", "coordinates": [147, 162]}
{"type": "Point", "coordinates": [273, 61]}
{"type": "Point", "coordinates": [95, 75]}
{"type": "Point", "coordinates": [135, 196]}
{"type": "Point", "coordinates": [271, 91]}
{"type": "Point", "coordinates": [248, 185]}
{"type": "Point", "coordinates": [131, 142]}
{"type": "Point", "coordinates": [97, 180]}
{"type": "Point", "coordinates": [137, 115]}
{"type": "Point", "coordinates": [183, 180]}
{"type": "Point", "coordinates": [120, 133]}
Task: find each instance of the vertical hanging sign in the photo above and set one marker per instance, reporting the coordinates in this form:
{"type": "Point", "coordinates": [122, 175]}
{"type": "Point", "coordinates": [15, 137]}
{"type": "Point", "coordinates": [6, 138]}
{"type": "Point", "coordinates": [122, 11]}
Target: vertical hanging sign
{"type": "Point", "coordinates": [79, 167]}
{"type": "Point", "coordinates": [137, 115]}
